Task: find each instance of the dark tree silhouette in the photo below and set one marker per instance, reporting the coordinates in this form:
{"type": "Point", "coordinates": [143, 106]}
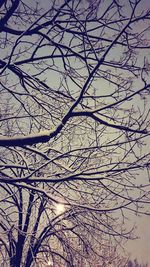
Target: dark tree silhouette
{"type": "Point", "coordinates": [74, 117]}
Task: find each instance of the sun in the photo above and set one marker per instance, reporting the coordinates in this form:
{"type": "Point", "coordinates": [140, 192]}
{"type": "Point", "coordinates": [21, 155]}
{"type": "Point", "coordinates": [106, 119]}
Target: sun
{"type": "Point", "coordinates": [59, 208]}
{"type": "Point", "coordinates": [50, 263]}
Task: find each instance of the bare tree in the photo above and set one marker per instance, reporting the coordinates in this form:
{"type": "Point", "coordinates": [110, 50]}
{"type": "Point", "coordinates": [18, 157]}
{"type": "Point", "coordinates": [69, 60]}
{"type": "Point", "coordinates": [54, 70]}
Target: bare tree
{"type": "Point", "coordinates": [37, 233]}
{"type": "Point", "coordinates": [74, 119]}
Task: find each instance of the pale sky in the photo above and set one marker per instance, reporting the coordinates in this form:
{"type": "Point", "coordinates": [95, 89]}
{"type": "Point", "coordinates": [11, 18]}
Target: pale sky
{"type": "Point", "coordinates": [140, 248]}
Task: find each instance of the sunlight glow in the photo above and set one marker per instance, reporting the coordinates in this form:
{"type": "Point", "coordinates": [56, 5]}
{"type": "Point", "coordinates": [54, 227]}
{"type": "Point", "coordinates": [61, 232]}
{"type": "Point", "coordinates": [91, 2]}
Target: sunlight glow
{"type": "Point", "coordinates": [50, 263]}
{"type": "Point", "coordinates": [60, 208]}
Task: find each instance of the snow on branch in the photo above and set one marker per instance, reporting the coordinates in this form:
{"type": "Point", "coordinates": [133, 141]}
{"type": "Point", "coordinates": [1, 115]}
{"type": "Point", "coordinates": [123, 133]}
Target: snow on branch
{"type": "Point", "coordinates": [46, 135]}
{"type": "Point", "coordinates": [20, 140]}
